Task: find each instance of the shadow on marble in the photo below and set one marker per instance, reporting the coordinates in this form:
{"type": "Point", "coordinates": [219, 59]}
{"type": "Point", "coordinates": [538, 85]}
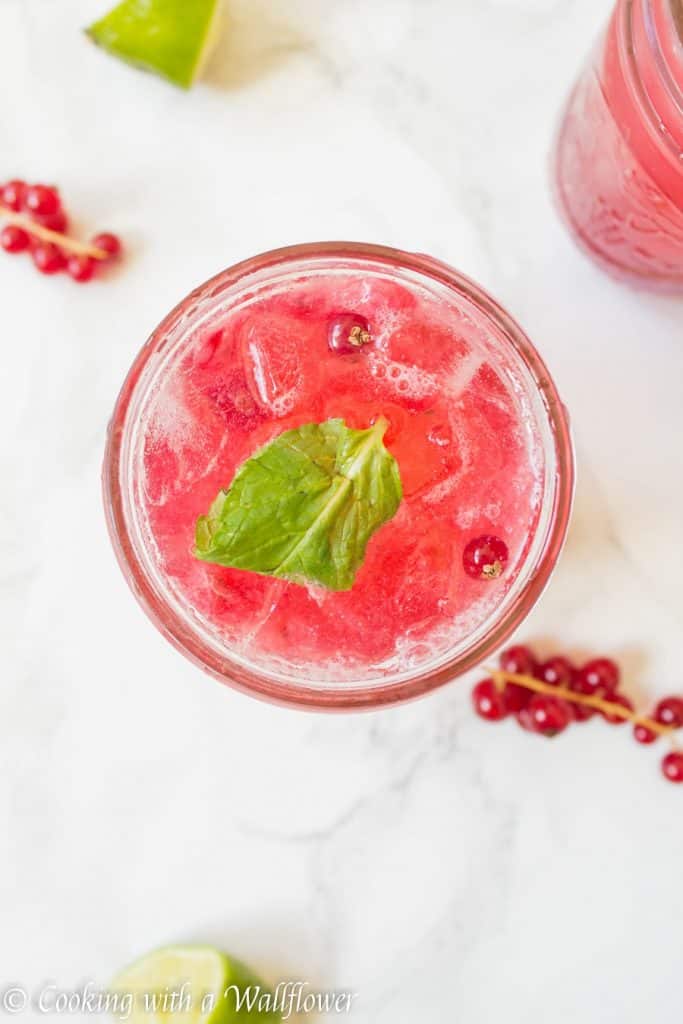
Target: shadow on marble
{"type": "Point", "coordinates": [254, 40]}
{"type": "Point", "coordinates": [268, 946]}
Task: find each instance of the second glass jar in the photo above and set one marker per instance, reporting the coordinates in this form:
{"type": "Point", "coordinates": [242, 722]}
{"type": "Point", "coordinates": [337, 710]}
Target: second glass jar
{"type": "Point", "coordinates": [619, 153]}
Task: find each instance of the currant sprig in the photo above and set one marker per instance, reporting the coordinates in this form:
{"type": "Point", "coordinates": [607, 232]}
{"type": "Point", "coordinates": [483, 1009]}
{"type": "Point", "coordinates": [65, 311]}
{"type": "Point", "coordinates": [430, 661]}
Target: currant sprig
{"type": "Point", "coordinates": [546, 697]}
{"type": "Point", "coordinates": [36, 222]}
{"type": "Point", "coordinates": [621, 709]}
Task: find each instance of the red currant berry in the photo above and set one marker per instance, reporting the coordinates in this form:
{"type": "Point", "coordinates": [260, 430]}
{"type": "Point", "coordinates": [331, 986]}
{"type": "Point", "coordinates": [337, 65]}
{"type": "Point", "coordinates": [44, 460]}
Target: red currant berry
{"type": "Point", "coordinates": [672, 766]}
{"type": "Point", "coordinates": [598, 676]}
{"type": "Point", "coordinates": [642, 734]}
{"type": "Point", "coordinates": [525, 720]}
{"type": "Point", "coordinates": [549, 715]}
{"type": "Point", "coordinates": [48, 258]}
{"type": "Point", "coordinates": [581, 712]}
{"type": "Point", "coordinates": [519, 661]}
{"type": "Point", "coordinates": [624, 702]}
{"type": "Point", "coordinates": [485, 557]}
{"type": "Point", "coordinates": [108, 243]}
{"type": "Point", "coordinates": [40, 199]}
{"type": "Point", "coordinates": [516, 697]}
{"type": "Point", "coordinates": [14, 239]}
{"type": "Point", "coordinates": [53, 221]}
{"type": "Point", "coordinates": [488, 701]}
{"type": "Point", "coordinates": [12, 194]}
{"type": "Point", "coordinates": [81, 268]}
{"type": "Point", "coordinates": [556, 672]}
{"type": "Point", "coordinates": [348, 332]}
{"type": "Point", "coordinates": [670, 712]}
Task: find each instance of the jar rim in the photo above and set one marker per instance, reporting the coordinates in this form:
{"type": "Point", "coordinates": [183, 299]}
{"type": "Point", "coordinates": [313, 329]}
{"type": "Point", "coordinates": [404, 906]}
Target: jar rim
{"type": "Point", "coordinates": [180, 630]}
{"type": "Point", "coordinates": [673, 89]}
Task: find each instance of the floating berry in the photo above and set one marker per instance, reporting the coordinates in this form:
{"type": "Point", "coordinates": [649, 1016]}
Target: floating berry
{"type": "Point", "coordinates": [14, 239]}
{"type": "Point", "coordinates": [80, 268]}
{"type": "Point", "coordinates": [598, 676]}
{"type": "Point", "coordinates": [12, 194]}
{"type": "Point", "coordinates": [672, 766]}
{"type": "Point", "coordinates": [556, 672]}
{"type": "Point", "coordinates": [670, 712]}
{"type": "Point", "coordinates": [347, 333]}
{"type": "Point", "coordinates": [612, 717]}
{"type": "Point", "coordinates": [549, 715]}
{"type": "Point", "coordinates": [42, 199]}
{"type": "Point", "coordinates": [485, 557]}
{"type": "Point", "coordinates": [642, 734]}
{"type": "Point", "coordinates": [488, 701]}
{"type": "Point", "coordinates": [48, 258]}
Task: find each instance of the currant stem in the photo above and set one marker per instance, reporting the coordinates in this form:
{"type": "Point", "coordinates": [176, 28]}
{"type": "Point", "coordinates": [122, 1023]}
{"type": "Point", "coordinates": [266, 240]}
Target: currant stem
{"type": "Point", "coordinates": [500, 678]}
{"type": "Point", "coordinates": [45, 235]}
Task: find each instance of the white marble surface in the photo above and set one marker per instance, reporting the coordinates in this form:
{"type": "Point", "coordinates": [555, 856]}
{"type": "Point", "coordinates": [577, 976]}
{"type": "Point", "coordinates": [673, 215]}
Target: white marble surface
{"type": "Point", "coordinates": [443, 869]}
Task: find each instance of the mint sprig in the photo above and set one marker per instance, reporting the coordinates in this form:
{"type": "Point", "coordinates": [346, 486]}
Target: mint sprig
{"type": "Point", "coordinates": [304, 507]}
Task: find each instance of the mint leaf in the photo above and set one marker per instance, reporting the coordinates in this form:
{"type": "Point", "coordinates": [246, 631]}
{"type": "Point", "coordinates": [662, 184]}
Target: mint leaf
{"type": "Point", "coordinates": [304, 507]}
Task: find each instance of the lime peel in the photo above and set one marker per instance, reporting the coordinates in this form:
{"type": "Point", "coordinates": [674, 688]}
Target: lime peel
{"type": "Point", "coordinates": [171, 38]}
{"type": "Point", "coordinates": [188, 985]}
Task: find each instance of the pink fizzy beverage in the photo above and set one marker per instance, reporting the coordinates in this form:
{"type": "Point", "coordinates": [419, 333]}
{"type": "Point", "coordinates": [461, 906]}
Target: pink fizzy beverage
{"type": "Point", "coordinates": [358, 334]}
{"type": "Point", "coordinates": [619, 153]}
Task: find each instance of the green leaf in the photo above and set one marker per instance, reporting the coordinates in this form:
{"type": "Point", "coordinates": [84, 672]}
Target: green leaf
{"type": "Point", "coordinates": [304, 507]}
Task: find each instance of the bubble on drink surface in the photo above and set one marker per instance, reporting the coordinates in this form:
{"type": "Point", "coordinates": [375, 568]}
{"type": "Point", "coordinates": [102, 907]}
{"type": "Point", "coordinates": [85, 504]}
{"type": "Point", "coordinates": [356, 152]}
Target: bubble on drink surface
{"type": "Point", "coordinates": [415, 647]}
{"type": "Point", "coordinates": [273, 353]}
{"type": "Point", "coordinates": [400, 379]}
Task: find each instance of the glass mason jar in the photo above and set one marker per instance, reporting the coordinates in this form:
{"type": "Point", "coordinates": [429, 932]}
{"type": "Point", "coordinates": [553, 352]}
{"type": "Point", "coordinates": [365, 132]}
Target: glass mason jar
{"type": "Point", "coordinates": [618, 162]}
{"type": "Point", "coordinates": [468, 311]}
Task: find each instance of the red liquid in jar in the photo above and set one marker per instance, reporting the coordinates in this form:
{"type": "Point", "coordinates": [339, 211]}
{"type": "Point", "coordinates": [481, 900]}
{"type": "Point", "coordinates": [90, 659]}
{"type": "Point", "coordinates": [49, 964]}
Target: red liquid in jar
{"type": "Point", "coordinates": [461, 428]}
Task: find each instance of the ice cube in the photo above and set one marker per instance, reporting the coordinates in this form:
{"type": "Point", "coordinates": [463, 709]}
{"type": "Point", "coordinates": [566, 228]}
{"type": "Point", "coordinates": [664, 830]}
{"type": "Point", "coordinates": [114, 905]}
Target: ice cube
{"type": "Point", "coordinates": [272, 359]}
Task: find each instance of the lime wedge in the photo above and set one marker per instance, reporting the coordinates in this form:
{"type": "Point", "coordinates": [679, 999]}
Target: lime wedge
{"type": "Point", "coordinates": [169, 37]}
{"type": "Point", "coordinates": [190, 985]}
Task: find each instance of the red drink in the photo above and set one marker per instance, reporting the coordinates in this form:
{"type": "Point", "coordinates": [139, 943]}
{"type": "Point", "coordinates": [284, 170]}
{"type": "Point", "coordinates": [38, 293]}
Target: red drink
{"type": "Point", "coordinates": [474, 424]}
{"type": "Point", "coordinates": [619, 158]}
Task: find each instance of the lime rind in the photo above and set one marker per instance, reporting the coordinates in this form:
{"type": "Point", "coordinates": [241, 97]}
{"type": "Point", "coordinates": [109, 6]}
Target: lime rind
{"type": "Point", "coordinates": [194, 973]}
{"type": "Point", "coordinates": [171, 38]}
